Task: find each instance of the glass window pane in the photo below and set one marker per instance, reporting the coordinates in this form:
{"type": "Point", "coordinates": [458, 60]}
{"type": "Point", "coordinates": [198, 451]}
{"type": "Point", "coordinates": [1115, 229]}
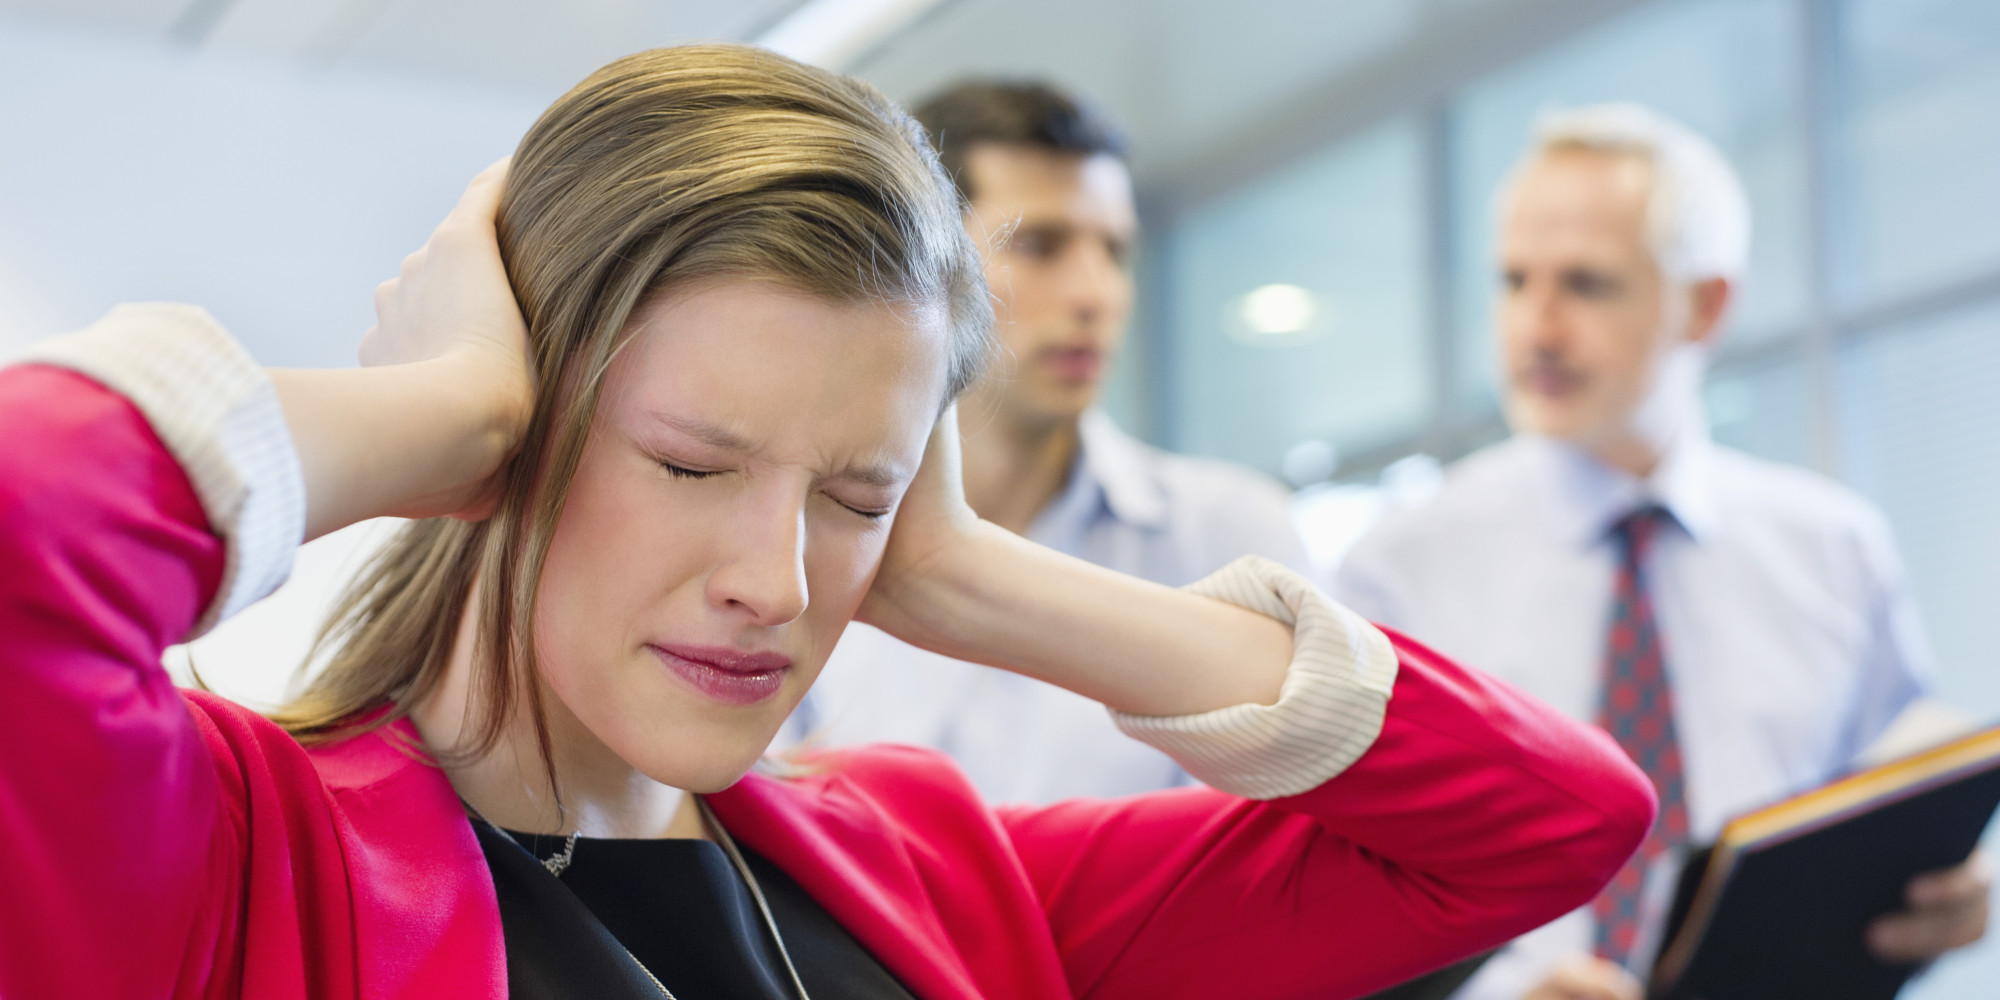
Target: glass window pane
{"type": "Point", "coordinates": [1920, 435]}
{"type": "Point", "coordinates": [1727, 68]}
{"type": "Point", "coordinates": [1919, 426]}
{"type": "Point", "coordinates": [1298, 305]}
{"type": "Point", "coordinates": [1919, 134]}
{"type": "Point", "coordinates": [1765, 410]}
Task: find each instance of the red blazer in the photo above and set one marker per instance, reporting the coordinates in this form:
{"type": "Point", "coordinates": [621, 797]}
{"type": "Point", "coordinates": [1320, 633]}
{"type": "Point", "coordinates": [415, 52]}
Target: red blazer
{"type": "Point", "coordinates": [160, 842]}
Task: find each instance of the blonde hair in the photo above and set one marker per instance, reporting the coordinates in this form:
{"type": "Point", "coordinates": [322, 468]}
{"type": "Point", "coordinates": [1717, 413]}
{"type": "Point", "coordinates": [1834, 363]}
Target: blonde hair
{"type": "Point", "coordinates": [665, 167]}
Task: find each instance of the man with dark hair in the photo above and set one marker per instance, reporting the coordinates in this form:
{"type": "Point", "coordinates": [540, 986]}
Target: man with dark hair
{"type": "Point", "coordinates": [1026, 114]}
{"type": "Point", "coordinates": [1048, 194]}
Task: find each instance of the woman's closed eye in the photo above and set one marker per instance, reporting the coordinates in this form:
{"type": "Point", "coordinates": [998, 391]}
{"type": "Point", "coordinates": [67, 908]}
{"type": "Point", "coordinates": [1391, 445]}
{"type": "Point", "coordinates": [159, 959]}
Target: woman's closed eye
{"type": "Point", "coordinates": [683, 472]}
{"type": "Point", "coordinates": [864, 510]}
{"type": "Point", "coordinates": [870, 513]}
{"type": "Point", "coordinates": [869, 503]}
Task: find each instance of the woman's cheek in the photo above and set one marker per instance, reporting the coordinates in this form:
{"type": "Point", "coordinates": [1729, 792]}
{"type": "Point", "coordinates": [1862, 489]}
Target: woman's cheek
{"type": "Point", "coordinates": [840, 569]}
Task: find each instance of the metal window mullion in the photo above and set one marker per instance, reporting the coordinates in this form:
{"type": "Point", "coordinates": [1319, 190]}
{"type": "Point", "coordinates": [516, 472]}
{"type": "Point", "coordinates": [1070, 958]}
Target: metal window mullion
{"type": "Point", "coordinates": [1158, 345]}
{"type": "Point", "coordinates": [1441, 235]}
{"type": "Point", "coordinates": [1819, 95]}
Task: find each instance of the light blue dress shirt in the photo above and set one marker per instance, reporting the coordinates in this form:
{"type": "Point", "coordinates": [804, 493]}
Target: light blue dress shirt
{"type": "Point", "coordinates": [1171, 519]}
{"type": "Point", "coordinates": [1791, 639]}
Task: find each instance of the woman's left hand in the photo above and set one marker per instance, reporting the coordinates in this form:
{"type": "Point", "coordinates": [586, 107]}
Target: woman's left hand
{"type": "Point", "coordinates": [972, 590]}
{"type": "Point", "coordinates": [934, 528]}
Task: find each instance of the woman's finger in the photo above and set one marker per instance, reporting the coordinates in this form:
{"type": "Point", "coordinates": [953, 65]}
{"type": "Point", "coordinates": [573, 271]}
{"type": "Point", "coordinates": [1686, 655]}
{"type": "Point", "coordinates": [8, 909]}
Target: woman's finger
{"type": "Point", "coordinates": [481, 201]}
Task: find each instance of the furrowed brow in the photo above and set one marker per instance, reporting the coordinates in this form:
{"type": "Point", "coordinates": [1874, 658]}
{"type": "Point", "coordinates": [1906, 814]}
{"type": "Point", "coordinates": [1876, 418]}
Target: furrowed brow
{"type": "Point", "coordinates": [712, 434]}
{"type": "Point", "coordinates": [871, 475]}
{"type": "Point", "coordinates": [718, 436]}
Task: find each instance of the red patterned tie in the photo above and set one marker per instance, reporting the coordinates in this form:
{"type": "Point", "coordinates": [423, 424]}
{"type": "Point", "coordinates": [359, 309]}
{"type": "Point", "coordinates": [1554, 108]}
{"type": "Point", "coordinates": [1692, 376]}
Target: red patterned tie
{"type": "Point", "coordinates": [1638, 711]}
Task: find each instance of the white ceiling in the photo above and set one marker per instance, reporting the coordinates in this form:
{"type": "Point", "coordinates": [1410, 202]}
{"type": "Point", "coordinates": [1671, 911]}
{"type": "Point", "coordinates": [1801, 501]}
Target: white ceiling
{"type": "Point", "coordinates": [1215, 90]}
{"type": "Point", "coordinates": [542, 45]}
{"type": "Point", "coordinates": [1176, 73]}
{"type": "Point", "coordinates": [1212, 90]}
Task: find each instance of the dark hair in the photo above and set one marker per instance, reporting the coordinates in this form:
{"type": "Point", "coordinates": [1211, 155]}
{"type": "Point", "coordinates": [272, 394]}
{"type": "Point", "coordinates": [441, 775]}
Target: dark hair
{"type": "Point", "coordinates": [1013, 113]}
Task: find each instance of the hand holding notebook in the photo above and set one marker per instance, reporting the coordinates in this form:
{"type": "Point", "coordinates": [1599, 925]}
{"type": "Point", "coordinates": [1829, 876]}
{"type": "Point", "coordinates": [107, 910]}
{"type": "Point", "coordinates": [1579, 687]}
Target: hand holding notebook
{"type": "Point", "coordinates": [1783, 904]}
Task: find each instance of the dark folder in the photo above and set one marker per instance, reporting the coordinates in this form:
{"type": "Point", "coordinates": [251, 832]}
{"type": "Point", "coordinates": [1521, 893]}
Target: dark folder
{"type": "Point", "coordinates": [1779, 906]}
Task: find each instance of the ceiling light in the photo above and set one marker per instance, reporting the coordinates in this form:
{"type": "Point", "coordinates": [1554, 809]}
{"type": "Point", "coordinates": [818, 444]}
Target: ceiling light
{"type": "Point", "coordinates": [836, 33]}
{"type": "Point", "coordinates": [1310, 461]}
{"type": "Point", "coordinates": [1276, 315]}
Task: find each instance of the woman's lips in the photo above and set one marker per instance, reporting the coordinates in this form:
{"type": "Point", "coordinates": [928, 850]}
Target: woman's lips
{"type": "Point", "coordinates": [726, 675]}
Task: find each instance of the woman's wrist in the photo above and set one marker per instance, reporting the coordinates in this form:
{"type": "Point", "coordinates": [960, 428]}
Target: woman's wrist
{"type": "Point", "coordinates": [499, 403]}
{"type": "Point", "coordinates": [934, 602]}
{"type": "Point", "coordinates": [411, 440]}
{"type": "Point", "coordinates": [964, 588]}
{"type": "Point", "coordinates": [999, 599]}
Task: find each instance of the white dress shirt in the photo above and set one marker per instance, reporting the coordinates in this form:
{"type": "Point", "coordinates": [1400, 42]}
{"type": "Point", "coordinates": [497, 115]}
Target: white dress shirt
{"type": "Point", "coordinates": [1791, 640]}
{"type": "Point", "coordinates": [1171, 519]}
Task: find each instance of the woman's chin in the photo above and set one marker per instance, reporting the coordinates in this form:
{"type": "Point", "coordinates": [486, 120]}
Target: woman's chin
{"type": "Point", "coordinates": [679, 737]}
{"type": "Point", "coordinates": [705, 779]}
{"type": "Point", "coordinates": [704, 758]}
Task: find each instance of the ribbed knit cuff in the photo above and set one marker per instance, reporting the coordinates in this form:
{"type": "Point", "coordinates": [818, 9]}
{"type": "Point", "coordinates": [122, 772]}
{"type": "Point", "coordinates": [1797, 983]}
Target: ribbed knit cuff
{"type": "Point", "coordinates": [1328, 713]}
{"type": "Point", "coordinates": [215, 409]}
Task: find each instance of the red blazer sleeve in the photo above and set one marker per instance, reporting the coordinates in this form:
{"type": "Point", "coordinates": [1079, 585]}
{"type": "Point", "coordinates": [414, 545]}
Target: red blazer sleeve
{"type": "Point", "coordinates": [1476, 815]}
{"type": "Point", "coordinates": [108, 799]}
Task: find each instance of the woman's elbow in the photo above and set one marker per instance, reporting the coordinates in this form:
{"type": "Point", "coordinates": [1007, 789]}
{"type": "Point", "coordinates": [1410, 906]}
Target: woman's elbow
{"type": "Point", "coordinates": [1626, 805]}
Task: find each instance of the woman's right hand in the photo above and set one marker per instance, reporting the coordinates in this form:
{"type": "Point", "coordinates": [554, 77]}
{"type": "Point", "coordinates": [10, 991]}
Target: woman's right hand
{"type": "Point", "coordinates": [452, 296]}
{"type": "Point", "coordinates": [452, 302]}
{"type": "Point", "coordinates": [445, 392]}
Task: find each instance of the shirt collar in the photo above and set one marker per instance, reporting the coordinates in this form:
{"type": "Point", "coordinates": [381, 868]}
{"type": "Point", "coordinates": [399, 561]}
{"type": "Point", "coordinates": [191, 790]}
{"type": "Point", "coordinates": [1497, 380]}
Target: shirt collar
{"type": "Point", "coordinates": [1589, 497]}
{"type": "Point", "coordinates": [1111, 472]}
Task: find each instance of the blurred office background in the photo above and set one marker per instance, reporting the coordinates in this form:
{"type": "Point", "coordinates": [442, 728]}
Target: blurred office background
{"type": "Point", "coordinates": [1314, 177]}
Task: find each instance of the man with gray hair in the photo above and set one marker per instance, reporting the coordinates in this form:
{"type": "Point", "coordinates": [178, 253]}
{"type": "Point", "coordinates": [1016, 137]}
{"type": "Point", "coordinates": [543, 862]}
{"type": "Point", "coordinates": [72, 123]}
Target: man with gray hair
{"type": "Point", "coordinates": [1741, 628]}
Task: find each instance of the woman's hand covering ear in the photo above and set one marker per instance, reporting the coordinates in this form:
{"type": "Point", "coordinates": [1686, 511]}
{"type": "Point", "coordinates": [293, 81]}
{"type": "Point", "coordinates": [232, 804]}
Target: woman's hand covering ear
{"type": "Point", "coordinates": [452, 300]}
{"type": "Point", "coordinates": [932, 523]}
{"type": "Point", "coordinates": [445, 392]}
{"type": "Point", "coordinates": [969, 589]}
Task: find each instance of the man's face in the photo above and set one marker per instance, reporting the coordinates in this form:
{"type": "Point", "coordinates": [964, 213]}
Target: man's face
{"type": "Point", "coordinates": [1586, 319]}
{"type": "Point", "coordinates": [1061, 280]}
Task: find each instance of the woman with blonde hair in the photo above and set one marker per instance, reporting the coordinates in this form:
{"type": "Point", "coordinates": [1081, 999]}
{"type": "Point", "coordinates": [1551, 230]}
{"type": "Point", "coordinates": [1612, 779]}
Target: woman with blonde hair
{"type": "Point", "coordinates": [669, 399]}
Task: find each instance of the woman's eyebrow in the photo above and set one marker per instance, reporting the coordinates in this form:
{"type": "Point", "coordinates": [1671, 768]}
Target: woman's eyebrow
{"type": "Point", "coordinates": [709, 433]}
{"type": "Point", "coordinates": [872, 475]}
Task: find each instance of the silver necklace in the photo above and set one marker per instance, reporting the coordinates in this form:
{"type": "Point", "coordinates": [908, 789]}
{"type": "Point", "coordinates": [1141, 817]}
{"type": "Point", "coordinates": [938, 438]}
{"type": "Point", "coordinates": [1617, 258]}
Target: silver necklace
{"type": "Point", "coordinates": [559, 862]}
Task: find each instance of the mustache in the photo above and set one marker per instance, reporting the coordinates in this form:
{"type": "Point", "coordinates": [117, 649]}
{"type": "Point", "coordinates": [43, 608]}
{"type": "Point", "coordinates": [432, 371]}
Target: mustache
{"type": "Point", "coordinates": [1545, 369]}
{"type": "Point", "coordinates": [1559, 368]}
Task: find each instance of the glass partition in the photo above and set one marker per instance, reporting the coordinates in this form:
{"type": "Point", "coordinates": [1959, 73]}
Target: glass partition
{"type": "Point", "coordinates": [1298, 305]}
{"type": "Point", "coordinates": [1918, 166]}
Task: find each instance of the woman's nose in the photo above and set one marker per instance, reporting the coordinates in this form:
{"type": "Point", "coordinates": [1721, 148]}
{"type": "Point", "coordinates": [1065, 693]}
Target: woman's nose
{"type": "Point", "coordinates": [763, 572]}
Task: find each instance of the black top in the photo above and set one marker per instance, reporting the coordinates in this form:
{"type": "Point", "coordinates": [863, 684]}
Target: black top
{"type": "Point", "coordinates": [681, 908]}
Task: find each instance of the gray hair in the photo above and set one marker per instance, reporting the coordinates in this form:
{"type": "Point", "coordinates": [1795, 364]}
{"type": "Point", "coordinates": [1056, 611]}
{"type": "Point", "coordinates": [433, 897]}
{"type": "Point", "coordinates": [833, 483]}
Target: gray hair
{"type": "Point", "coordinates": [1698, 218]}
